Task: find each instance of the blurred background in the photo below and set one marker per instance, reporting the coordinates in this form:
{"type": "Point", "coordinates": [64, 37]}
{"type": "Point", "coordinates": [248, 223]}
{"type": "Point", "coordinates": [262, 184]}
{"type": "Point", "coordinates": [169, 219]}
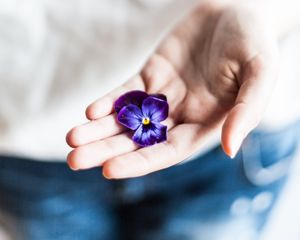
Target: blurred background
{"type": "Point", "coordinates": [50, 49]}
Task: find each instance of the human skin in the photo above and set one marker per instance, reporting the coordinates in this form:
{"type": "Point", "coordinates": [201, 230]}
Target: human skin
{"type": "Point", "coordinates": [217, 68]}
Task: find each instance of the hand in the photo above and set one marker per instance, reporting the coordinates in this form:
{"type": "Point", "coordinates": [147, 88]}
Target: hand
{"type": "Point", "coordinates": [217, 69]}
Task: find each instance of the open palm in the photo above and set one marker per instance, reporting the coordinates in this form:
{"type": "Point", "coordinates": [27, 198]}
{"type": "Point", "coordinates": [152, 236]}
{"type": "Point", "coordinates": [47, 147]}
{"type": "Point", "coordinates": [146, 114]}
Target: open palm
{"type": "Point", "coordinates": [217, 69]}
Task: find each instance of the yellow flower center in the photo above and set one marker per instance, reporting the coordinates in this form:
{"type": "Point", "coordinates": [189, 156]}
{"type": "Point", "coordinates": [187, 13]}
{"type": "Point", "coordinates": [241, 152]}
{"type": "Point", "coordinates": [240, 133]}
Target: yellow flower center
{"type": "Point", "coordinates": [146, 121]}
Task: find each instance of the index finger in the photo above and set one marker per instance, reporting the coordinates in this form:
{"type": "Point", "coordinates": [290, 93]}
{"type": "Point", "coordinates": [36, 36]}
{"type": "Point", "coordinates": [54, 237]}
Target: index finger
{"type": "Point", "coordinates": [104, 105]}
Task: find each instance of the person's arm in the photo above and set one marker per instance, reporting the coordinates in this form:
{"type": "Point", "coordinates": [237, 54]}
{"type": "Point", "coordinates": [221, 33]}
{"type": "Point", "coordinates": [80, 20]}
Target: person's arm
{"type": "Point", "coordinates": [217, 68]}
{"type": "Point", "coordinates": [283, 14]}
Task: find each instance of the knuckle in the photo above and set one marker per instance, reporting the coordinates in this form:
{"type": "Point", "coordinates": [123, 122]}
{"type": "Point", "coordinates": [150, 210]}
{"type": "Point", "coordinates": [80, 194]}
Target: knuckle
{"type": "Point", "coordinates": [109, 148]}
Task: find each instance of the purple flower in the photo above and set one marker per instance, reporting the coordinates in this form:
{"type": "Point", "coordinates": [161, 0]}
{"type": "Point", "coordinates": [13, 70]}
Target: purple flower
{"type": "Point", "coordinates": [143, 113]}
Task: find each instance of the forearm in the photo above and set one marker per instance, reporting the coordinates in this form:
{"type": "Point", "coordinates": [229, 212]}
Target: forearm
{"type": "Point", "coordinates": [281, 15]}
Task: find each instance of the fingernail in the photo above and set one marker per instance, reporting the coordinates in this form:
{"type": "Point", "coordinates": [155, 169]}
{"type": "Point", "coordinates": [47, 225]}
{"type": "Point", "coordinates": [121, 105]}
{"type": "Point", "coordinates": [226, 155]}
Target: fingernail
{"type": "Point", "coordinates": [105, 175]}
{"type": "Point", "coordinates": [73, 168]}
{"type": "Point", "coordinates": [235, 146]}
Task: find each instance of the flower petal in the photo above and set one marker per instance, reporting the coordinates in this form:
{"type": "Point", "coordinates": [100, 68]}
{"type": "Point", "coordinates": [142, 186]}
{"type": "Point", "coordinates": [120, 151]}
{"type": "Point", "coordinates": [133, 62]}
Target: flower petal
{"type": "Point", "coordinates": [156, 109]}
{"type": "Point", "coordinates": [132, 97]}
{"type": "Point", "coordinates": [150, 134]}
{"type": "Point", "coordinates": [159, 95]}
{"type": "Point", "coordinates": [130, 116]}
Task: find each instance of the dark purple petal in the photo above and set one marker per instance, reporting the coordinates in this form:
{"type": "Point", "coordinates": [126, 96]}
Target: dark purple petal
{"type": "Point", "coordinates": [150, 134]}
{"type": "Point", "coordinates": [132, 97]}
{"type": "Point", "coordinates": [156, 109]}
{"type": "Point", "coordinates": [159, 95]}
{"type": "Point", "coordinates": [130, 116]}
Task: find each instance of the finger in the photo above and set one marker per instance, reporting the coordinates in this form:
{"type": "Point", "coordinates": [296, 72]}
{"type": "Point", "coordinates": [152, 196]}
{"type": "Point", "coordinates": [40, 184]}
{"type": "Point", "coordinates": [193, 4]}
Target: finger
{"type": "Point", "coordinates": [94, 130]}
{"type": "Point", "coordinates": [108, 126]}
{"type": "Point", "coordinates": [157, 73]}
{"type": "Point", "coordinates": [175, 92]}
{"type": "Point", "coordinates": [252, 99]}
{"type": "Point", "coordinates": [157, 76]}
{"type": "Point", "coordinates": [160, 77]}
{"type": "Point", "coordinates": [104, 105]}
{"type": "Point", "coordinates": [183, 141]}
{"type": "Point", "coordinates": [96, 153]}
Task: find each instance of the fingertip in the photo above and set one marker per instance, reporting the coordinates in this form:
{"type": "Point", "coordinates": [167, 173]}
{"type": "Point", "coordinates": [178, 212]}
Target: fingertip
{"type": "Point", "coordinates": [233, 132]}
{"type": "Point", "coordinates": [70, 161]}
{"type": "Point", "coordinates": [225, 137]}
{"type": "Point", "coordinates": [232, 146]}
{"type": "Point", "coordinates": [226, 143]}
{"type": "Point", "coordinates": [90, 113]}
{"type": "Point", "coordinates": [69, 139]}
{"type": "Point", "coordinates": [100, 108]}
{"type": "Point", "coordinates": [227, 149]}
{"type": "Point", "coordinates": [73, 137]}
{"type": "Point", "coordinates": [108, 170]}
{"type": "Point", "coordinates": [84, 157]}
{"type": "Point", "coordinates": [118, 168]}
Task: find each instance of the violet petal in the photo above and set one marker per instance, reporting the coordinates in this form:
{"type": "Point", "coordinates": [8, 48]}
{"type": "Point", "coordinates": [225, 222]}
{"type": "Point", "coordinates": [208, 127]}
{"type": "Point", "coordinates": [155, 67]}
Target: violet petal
{"type": "Point", "coordinates": [130, 116]}
{"type": "Point", "coordinates": [159, 95]}
{"type": "Point", "coordinates": [150, 134]}
{"type": "Point", "coordinates": [132, 97]}
{"type": "Point", "coordinates": [156, 109]}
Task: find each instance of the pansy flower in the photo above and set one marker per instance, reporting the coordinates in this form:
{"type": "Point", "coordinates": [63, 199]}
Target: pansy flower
{"type": "Point", "coordinates": [143, 114]}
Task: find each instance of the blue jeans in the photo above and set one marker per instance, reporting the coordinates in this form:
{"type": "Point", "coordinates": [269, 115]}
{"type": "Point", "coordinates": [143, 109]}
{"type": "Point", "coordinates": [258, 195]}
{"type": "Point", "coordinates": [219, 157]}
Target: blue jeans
{"type": "Point", "coordinates": [210, 198]}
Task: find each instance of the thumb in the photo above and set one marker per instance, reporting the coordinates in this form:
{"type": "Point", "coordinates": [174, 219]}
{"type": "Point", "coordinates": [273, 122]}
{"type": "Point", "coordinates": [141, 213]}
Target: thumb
{"type": "Point", "coordinates": [258, 81]}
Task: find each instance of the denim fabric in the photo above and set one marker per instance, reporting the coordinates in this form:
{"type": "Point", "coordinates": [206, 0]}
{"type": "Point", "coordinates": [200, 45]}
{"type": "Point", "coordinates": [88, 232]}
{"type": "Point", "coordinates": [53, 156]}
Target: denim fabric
{"type": "Point", "coordinates": [211, 197]}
